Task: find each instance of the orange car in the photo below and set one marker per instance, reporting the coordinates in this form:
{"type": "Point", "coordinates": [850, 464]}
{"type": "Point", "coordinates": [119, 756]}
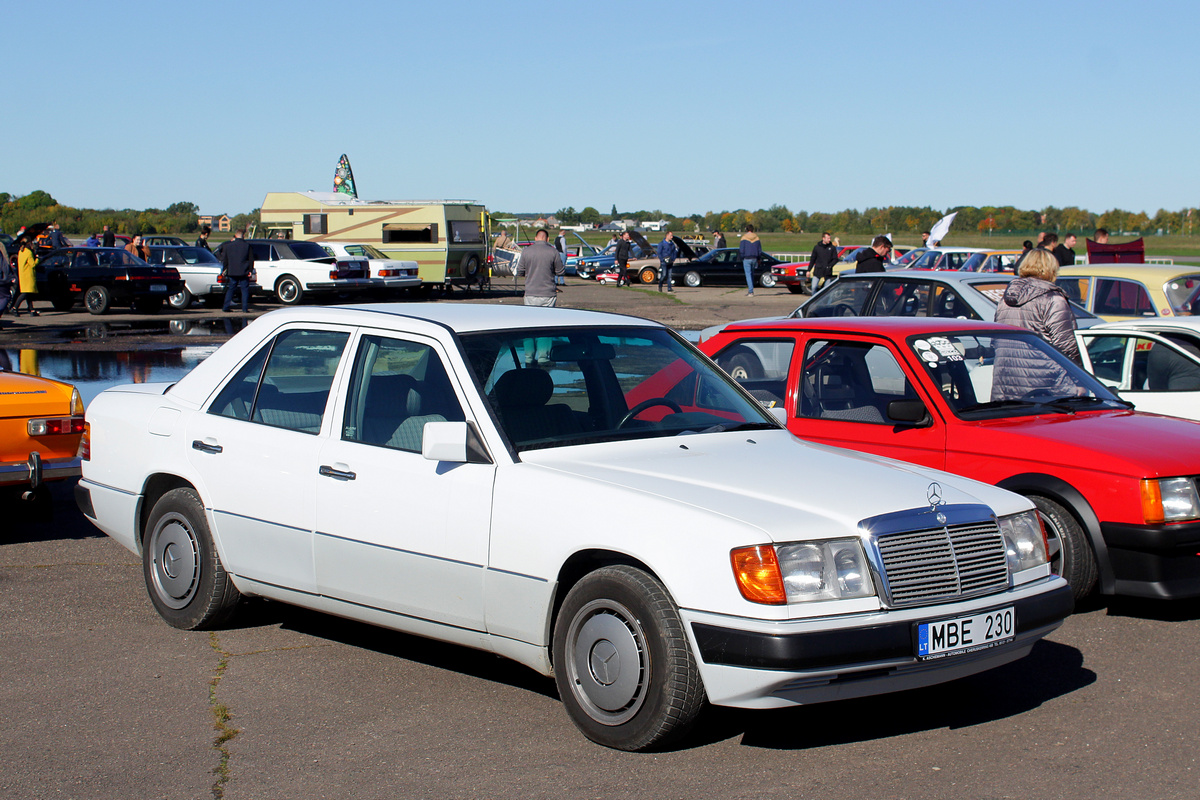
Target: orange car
{"type": "Point", "coordinates": [41, 423]}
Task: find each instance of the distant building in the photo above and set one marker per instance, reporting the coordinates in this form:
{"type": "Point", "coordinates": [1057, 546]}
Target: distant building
{"type": "Point", "coordinates": [218, 222]}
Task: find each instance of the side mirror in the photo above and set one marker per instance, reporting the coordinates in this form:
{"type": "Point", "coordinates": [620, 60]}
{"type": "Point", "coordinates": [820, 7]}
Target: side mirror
{"type": "Point", "coordinates": [454, 442]}
{"type": "Point", "coordinates": [909, 412]}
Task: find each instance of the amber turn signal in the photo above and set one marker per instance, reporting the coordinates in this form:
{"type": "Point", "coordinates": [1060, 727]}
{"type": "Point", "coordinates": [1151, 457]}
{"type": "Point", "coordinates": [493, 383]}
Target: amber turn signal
{"type": "Point", "coordinates": [1152, 505]}
{"type": "Point", "coordinates": [758, 576]}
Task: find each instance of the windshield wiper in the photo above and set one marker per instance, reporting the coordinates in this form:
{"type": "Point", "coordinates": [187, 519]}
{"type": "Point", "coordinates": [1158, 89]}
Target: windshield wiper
{"type": "Point", "coordinates": [1002, 404]}
{"type": "Point", "coordinates": [1089, 400]}
{"type": "Point", "coordinates": [741, 426]}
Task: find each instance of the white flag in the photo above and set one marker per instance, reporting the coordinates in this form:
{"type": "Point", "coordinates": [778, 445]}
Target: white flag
{"type": "Point", "coordinates": [939, 231]}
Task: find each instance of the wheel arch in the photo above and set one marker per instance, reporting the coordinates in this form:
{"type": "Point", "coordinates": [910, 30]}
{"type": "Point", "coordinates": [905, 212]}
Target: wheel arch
{"type": "Point", "coordinates": [1074, 502]}
{"type": "Point", "coordinates": [582, 563]}
{"type": "Point", "coordinates": [152, 491]}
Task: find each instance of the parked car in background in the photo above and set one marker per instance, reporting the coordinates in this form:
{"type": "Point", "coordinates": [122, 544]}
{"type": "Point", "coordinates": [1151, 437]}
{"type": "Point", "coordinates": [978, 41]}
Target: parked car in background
{"type": "Point", "coordinates": [724, 266]}
{"type": "Point", "coordinates": [388, 275]}
{"type": "Point", "coordinates": [1116, 489]}
{"type": "Point", "coordinates": [993, 261]}
{"type": "Point", "coordinates": [41, 424]}
{"type": "Point", "coordinates": [1131, 291]}
{"type": "Point", "coordinates": [674, 575]}
{"type": "Point", "coordinates": [103, 277]}
{"type": "Point", "coordinates": [606, 260]}
{"type": "Point", "coordinates": [1154, 363]}
{"type": "Point", "coordinates": [289, 269]}
{"type": "Point", "coordinates": [645, 270]}
{"type": "Point", "coordinates": [944, 258]}
{"type": "Point", "coordinates": [152, 239]}
{"type": "Point", "coordinates": [200, 271]}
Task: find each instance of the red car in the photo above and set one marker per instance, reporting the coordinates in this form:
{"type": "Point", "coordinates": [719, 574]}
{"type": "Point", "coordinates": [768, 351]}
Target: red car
{"type": "Point", "coordinates": [1117, 489]}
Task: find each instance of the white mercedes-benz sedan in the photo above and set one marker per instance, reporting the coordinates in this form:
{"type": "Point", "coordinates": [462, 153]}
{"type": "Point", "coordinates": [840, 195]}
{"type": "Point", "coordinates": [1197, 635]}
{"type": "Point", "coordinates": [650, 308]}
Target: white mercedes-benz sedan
{"type": "Point", "coordinates": [584, 493]}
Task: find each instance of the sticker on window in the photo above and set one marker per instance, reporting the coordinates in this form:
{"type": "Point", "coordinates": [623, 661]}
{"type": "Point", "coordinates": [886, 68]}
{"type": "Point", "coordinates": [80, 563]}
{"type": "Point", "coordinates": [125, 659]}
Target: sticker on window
{"type": "Point", "coordinates": [935, 350]}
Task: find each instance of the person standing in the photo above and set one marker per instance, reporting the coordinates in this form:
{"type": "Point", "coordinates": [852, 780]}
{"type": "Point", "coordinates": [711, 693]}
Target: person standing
{"type": "Point", "coordinates": [26, 278]}
{"type": "Point", "coordinates": [1065, 252]}
{"type": "Point", "coordinates": [6, 280]}
{"type": "Point", "coordinates": [138, 249]}
{"type": "Point", "coordinates": [108, 238]}
{"type": "Point", "coordinates": [560, 244]}
{"type": "Point", "coordinates": [542, 264]}
{"type": "Point", "coordinates": [873, 258]}
{"type": "Point", "coordinates": [624, 248]}
{"type": "Point", "coordinates": [202, 239]}
{"type": "Point", "coordinates": [237, 257]}
{"type": "Point", "coordinates": [1034, 302]}
{"type": "Point", "coordinates": [718, 239]}
{"type": "Point", "coordinates": [92, 241]}
{"type": "Point", "coordinates": [820, 263]}
{"type": "Point", "coordinates": [750, 252]}
{"type": "Point", "coordinates": [56, 236]}
{"type": "Point", "coordinates": [668, 251]}
{"type": "Point", "coordinates": [924, 238]}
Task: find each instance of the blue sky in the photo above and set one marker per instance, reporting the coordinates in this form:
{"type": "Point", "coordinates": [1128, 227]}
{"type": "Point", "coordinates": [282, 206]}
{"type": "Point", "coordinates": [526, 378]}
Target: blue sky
{"type": "Point", "coordinates": [684, 107]}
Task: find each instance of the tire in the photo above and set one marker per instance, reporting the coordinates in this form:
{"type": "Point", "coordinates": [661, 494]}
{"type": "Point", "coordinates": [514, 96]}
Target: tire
{"type": "Point", "coordinates": [97, 300]}
{"type": "Point", "coordinates": [741, 364]}
{"type": "Point", "coordinates": [648, 275]}
{"type": "Point", "coordinates": [1071, 554]}
{"type": "Point", "coordinates": [63, 303]}
{"type": "Point", "coordinates": [692, 278]}
{"type": "Point", "coordinates": [146, 305]}
{"type": "Point", "coordinates": [288, 290]}
{"type": "Point", "coordinates": [767, 280]}
{"type": "Point", "coordinates": [181, 299]}
{"type": "Point", "coordinates": [624, 669]}
{"type": "Point", "coordinates": [213, 300]}
{"type": "Point", "coordinates": [795, 289]}
{"type": "Point", "coordinates": [469, 267]}
{"type": "Point", "coordinates": [583, 272]}
{"type": "Point", "coordinates": [184, 576]}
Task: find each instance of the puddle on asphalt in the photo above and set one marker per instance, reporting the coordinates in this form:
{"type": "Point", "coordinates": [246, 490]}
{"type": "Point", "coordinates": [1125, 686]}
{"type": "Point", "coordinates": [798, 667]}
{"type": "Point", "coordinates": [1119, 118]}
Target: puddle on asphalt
{"type": "Point", "coordinates": [103, 329]}
{"type": "Point", "coordinates": [93, 371]}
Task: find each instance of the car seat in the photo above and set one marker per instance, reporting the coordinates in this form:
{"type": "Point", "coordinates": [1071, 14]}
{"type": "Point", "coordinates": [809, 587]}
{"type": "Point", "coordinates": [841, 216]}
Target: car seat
{"type": "Point", "coordinates": [521, 396]}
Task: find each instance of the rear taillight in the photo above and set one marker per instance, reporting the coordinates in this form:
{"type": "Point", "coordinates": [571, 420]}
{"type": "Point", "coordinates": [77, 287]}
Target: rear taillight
{"type": "Point", "coordinates": [85, 443]}
{"type": "Point", "coordinates": [55, 426]}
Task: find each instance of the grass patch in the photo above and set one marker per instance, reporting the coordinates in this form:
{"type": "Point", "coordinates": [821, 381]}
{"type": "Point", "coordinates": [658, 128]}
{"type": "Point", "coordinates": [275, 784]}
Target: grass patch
{"type": "Point", "coordinates": [222, 717]}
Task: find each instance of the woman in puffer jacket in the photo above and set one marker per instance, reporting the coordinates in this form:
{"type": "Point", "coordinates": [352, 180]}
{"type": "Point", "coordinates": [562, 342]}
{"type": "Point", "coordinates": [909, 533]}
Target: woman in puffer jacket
{"type": "Point", "coordinates": [1034, 302]}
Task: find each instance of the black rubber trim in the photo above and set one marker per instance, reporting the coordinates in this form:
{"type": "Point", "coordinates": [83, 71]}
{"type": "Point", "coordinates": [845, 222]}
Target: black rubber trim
{"type": "Point", "coordinates": [804, 651]}
{"type": "Point", "coordinates": [1151, 537]}
{"type": "Point", "coordinates": [83, 499]}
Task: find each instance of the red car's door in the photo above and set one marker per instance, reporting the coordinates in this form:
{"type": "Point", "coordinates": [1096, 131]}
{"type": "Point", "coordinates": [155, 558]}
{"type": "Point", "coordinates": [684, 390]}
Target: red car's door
{"type": "Point", "coordinates": [843, 395]}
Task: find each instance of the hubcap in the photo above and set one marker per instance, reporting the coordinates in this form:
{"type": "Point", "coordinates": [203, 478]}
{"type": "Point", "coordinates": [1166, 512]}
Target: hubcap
{"type": "Point", "coordinates": [175, 569]}
{"type": "Point", "coordinates": [287, 291]}
{"type": "Point", "coordinates": [607, 662]}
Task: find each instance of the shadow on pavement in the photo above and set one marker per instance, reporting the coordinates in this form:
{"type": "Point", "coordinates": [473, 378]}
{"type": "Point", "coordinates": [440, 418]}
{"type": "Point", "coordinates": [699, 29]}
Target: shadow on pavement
{"type": "Point", "coordinates": [26, 521]}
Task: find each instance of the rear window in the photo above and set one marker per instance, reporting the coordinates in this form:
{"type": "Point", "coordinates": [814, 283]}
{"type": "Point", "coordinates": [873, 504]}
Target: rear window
{"type": "Point", "coordinates": [306, 250]}
{"type": "Point", "coordinates": [1179, 291]}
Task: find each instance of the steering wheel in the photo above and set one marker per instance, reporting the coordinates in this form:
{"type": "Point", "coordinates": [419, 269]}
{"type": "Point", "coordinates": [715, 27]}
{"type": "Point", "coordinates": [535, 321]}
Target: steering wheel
{"type": "Point", "coordinates": [642, 406]}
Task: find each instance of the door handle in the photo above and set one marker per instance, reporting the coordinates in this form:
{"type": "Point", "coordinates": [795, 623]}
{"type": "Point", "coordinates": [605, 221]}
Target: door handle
{"type": "Point", "coordinates": [204, 447]}
{"type": "Point", "coordinates": [330, 472]}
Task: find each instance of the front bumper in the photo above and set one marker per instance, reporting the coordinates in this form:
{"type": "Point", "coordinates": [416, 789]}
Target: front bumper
{"type": "Point", "coordinates": [1158, 561]}
{"type": "Point", "coordinates": [36, 470]}
{"type": "Point", "coordinates": [769, 665]}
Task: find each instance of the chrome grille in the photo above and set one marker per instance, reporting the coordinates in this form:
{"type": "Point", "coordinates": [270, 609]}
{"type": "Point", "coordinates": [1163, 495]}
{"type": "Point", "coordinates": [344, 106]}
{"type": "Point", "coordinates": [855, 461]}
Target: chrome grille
{"type": "Point", "coordinates": [943, 564]}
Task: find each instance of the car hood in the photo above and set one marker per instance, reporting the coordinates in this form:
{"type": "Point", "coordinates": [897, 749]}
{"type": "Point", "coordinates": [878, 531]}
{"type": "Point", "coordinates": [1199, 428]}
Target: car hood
{"type": "Point", "coordinates": [1117, 442]}
{"type": "Point", "coordinates": [768, 479]}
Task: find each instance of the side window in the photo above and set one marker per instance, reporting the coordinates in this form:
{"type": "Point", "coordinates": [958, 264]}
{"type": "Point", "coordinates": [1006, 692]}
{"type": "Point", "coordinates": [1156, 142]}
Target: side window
{"type": "Point", "coordinates": [760, 366]}
{"type": "Point", "coordinates": [851, 382]}
{"type": "Point", "coordinates": [843, 299]}
{"type": "Point", "coordinates": [901, 299]}
{"type": "Point", "coordinates": [1075, 288]}
{"type": "Point", "coordinates": [397, 387]}
{"type": "Point", "coordinates": [355, 250]}
{"type": "Point", "coordinates": [54, 261]}
{"type": "Point", "coordinates": [946, 303]}
{"type": "Point", "coordinates": [1122, 298]}
{"type": "Point", "coordinates": [294, 384]}
{"type": "Point", "coordinates": [261, 250]}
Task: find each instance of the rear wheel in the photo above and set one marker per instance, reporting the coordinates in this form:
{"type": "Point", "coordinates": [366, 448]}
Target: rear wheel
{"type": "Point", "coordinates": [181, 299]}
{"type": "Point", "coordinates": [1070, 552]}
{"type": "Point", "coordinates": [288, 290]}
{"type": "Point", "coordinates": [648, 275]}
{"type": "Point", "coordinates": [692, 278]}
{"type": "Point", "coordinates": [469, 267]}
{"type": "Point", "coordinates": [97, 300]}
{"type": "Point", "coordinates": [624, 669]}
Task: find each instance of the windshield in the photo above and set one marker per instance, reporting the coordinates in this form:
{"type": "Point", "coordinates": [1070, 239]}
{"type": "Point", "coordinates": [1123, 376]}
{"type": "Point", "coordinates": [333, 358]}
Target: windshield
{"type": "Point", "coordinates": [559, 387]}
{"type": "Point", "coordinates": [370, 252]}
{"type": "Point", "coordinates": [1007, 374]}
{"type": "Point", "coordinates": [911, 256]}
{"type": "Point", "coordinates": [1179, 292]}
{"type": "Point", "coordinates": [307, 250]}
{"type": "Point", "coordinates": [197, 255]}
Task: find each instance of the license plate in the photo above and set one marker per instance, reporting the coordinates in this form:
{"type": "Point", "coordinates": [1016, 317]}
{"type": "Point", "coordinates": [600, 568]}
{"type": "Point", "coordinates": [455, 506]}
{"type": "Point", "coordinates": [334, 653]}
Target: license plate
{"type": "Point", "coordinates": [158, 287]}
{"type": "Point", "coordinates": [965, 634]}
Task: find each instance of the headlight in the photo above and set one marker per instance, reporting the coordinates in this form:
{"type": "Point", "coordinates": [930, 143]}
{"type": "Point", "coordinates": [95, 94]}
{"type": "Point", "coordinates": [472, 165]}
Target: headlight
{"type": "Point", "coordinates": [1170, 500]}
{"type": "Point", "coordinates": [1024, 541]}
{"type": "Point", "coordinates": [802, 572]}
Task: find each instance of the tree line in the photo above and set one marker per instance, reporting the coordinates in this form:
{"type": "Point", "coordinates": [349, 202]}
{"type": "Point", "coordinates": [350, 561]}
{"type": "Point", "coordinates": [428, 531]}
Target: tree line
{"type": "Point", "coordinates": [38, 206]}
{"type": "Point", "coordinates": [985, 219]}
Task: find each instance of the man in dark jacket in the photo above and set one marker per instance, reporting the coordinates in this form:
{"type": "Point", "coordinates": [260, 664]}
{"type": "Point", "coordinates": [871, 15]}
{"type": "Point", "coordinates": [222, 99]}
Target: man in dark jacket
{"type": "Point", "coordinates": [820, 263]}
{"type": "Point", "coordinates": [1065, 252]}
{"type": "Point", "coordinates": [873, 258]}
{"type": "Point", "coordinates": [202, 240]}
{"type": "Point", "coordinates": [238, 259]}
{"type": "Point", "coordinates": [108, 238]}
{"type": "Point", "coordinates": [624, 248]}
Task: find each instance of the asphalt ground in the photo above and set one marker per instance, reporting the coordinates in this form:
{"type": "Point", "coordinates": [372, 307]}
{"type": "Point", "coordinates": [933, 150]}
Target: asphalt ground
{"type": "Point", "coordinates": [104, 700]}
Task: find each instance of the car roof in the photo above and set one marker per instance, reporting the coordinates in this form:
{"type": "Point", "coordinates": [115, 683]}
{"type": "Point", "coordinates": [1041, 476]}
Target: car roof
{"type": "Point", "coordinates": [1161, 272]}
{"type": "Point", "coordinates": [892, 327]}
{"type": "Point", "coordinates": [1191, 324]}
{"type": "Point", "coordinates": [461, 318]}
{"type": "Point", "coordinates": [944, 276]}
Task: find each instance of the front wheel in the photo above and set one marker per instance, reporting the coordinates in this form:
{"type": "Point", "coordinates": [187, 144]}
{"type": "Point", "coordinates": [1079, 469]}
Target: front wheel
{"type": "Point", "coordinates": [1070, 553]}
{"type": "Point", "coordinates": [767, 280]}
{"type": "Point", "coordinates": [288, 290]}
{"type": "Point", "coordinates": [795, 289]}
{"type": "Point", "coordinates": [648, 275]}
{"type": "Point", "coordinates": [692, 278]}
{"type": "Point", "coordinates": [97, 300]}
{"type": "Point", "coordinates": [624, 669]}
{"type": "Point", "coordinates": [184, 575]}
